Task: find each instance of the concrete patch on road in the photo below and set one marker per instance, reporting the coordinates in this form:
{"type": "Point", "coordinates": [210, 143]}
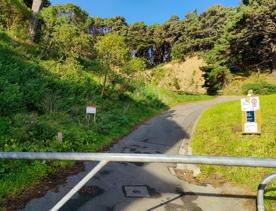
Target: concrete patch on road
{"type": "Point", "coordinates": [136, 191]}
{"type": "Point", "coordinates": [186, 149]}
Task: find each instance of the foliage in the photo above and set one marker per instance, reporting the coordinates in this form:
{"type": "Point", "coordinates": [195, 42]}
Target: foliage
{"type": "Point", "coordinates": [134, 65]}
{"type": "Point", "coordinates": [64, 32]}
{"type": "Point", "coordinates": [112, 52]}
{"type": "Point", "coordinates": [111, 49]}
{"type": "Point", "coordinates": [252, 42]}
{"type": "Point", "coordinates": [247, 42]}
{"type": "Point", "coordinates": [201, 32]}
{"type": "Point", "coordinates": [262, 88]}
{"type": "Point", "coordinates": [101, 26]}
{"type": "Point", "coordinates": [14, 17]}
{"type": "Point", "coordinates": [216, 77]}
{"type": "Point", "coordinates": [220, 128]}
{"type": "Point", "coordinates": [236, 39]}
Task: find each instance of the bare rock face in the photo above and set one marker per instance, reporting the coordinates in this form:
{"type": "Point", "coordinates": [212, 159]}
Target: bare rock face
{"type": "Point", "coordinates": [185, 76]}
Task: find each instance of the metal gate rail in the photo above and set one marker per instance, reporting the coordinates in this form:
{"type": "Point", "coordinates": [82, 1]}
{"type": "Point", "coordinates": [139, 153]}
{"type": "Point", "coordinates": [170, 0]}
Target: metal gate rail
{"type": "Point", "coordinates": [104, 158]}
{"type": "Point", "coordinates": [144, 158]}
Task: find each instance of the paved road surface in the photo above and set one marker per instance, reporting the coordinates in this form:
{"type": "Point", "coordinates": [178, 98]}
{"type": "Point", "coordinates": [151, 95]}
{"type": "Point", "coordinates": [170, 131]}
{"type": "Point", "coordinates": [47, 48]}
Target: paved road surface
{"type": "Point", "coordinates": [115, 185]}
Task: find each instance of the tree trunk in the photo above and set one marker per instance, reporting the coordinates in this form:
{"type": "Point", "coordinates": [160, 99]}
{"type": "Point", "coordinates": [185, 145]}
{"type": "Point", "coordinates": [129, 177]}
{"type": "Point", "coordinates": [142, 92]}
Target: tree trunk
{"type": "Point", "coordinates": [104, 82]}
{"type": "Point", "coordinates": [37, 4]}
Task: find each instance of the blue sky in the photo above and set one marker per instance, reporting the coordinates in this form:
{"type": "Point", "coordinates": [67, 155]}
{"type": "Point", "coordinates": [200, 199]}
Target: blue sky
{"type": "Point", "coordinates": [149, 11]}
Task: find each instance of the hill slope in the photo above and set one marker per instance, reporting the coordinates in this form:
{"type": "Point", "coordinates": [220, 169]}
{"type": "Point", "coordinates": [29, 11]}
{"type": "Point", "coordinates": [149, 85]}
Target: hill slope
{"type": "Point", "coordinates": [185, 76]}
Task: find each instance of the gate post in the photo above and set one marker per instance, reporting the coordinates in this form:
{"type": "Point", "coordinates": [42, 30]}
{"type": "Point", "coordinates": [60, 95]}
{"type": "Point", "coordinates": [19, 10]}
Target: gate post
{"type": "Point", "coordinates": [260, 197]}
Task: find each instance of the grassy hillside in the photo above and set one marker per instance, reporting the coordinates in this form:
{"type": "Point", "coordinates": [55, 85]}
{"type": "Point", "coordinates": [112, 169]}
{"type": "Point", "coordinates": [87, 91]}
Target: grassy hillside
{"type": "Point", "coordinates": [239, 84]}
{"type": "Point", "coordinates": [219, 133]}
{"type": "Point", "coordinates": [39, 98]}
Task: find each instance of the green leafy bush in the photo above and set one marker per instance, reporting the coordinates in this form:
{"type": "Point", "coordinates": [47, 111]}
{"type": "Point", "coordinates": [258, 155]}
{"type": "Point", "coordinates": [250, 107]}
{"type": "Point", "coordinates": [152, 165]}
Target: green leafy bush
{"type": "Point", "coordinates": [135, 65]}
{"type": "Point", "coordinates": [262, 88]}
{"type": "Point", "coordinates": [216, 77]}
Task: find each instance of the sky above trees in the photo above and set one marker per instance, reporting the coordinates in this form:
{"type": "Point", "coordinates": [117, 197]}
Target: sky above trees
{"type": "Point", "coordinates": [149, 11]}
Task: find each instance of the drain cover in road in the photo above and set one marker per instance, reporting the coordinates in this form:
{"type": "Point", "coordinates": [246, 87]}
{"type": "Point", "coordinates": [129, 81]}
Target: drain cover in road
{"type": "Point", "coordinates": [136, 191]}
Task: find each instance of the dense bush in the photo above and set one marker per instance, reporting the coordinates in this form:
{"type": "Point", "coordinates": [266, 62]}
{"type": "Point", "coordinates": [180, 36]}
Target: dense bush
{"type": "Point", "coordinates": [216, 76]}
{"type": "Point", "coordinates": [262, 88]}
{"type": "Point", "coordinates": [134, 65]}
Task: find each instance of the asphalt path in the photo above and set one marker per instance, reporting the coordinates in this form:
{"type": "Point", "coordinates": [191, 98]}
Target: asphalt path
{"type": "Point", "coordinates": [136, 186]}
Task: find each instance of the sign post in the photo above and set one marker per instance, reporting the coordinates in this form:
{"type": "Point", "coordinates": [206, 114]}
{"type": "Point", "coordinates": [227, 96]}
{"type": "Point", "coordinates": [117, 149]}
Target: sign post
{"type": "Point", "coordinates": [91, 109]}
{"type": "Point", "coordinates": [251, 117]}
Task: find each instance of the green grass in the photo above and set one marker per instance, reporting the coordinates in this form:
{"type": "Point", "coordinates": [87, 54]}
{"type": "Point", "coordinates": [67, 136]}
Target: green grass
{"type": "Point", "coordinates": [219, 133]}
{"type": "Point", "coordinates": [171, 98]}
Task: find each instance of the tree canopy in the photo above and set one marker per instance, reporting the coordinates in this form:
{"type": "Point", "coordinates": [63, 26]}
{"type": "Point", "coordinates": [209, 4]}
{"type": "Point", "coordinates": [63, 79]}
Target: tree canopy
{"type": "Point", "coordinates": [64, 31]}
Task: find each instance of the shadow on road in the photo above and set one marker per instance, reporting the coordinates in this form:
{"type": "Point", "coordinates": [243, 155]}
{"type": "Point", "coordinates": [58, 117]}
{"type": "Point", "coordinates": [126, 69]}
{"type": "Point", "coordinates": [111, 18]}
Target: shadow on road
{"type": "Point", "coordinates": [162, 191]}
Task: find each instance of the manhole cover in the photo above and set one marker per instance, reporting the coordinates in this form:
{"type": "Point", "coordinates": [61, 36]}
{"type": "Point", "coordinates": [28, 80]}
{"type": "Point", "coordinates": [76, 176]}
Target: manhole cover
{"type": "Point", "coordinates": [136, 191]}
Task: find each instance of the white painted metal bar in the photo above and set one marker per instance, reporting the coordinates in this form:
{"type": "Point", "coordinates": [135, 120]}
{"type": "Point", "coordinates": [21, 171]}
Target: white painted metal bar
{"type": "Point", "coordinates": [144, 158]}
{"type": "Point", "coordinates": [75, 189]}
{"type": "Point", "coordinates": [260, 197]}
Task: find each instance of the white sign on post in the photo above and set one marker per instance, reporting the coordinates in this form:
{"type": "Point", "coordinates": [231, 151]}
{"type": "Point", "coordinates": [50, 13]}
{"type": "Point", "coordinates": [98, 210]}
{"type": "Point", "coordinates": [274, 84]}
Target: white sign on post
{"type": "Point", "coordinates": [91, 109]}
{"type": "Point", "coordinates": [250, 127]}
{"type": "Point", "coordinates": [250, 107]}
{"type": "Point", "coordinates": [252, 104]}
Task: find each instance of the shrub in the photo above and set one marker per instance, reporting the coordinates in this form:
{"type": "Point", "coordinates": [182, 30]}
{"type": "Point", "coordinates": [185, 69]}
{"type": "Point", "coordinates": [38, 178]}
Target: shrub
{"type": "Point", "coordinates": [216, 77]}
{"type": "Point", "coordinates": [262, 87]}
{"type": "Point", "coordinates": [134, 65]}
